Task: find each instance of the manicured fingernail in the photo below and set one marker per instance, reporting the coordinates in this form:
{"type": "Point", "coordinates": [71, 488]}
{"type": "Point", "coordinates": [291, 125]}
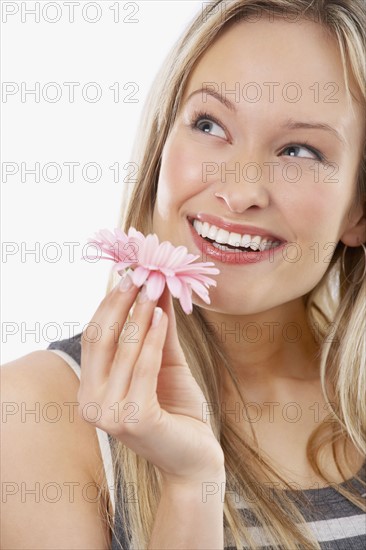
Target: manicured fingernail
{"type": "Point", "coordinates": [158, 313]}
{"type": "Point", "coordinates": [125, 283]}
{"type": "Point", "coordinates": [142, 297]}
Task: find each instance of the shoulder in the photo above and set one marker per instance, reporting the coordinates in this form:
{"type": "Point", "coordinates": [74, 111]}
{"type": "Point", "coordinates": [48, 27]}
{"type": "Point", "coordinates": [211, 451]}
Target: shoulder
{"type": "Point", "coordinates": [40, 389]}
{"type": "Point", "coordinates": [43, 370]}
{"type": "Point", "coordinates": [48, 448]}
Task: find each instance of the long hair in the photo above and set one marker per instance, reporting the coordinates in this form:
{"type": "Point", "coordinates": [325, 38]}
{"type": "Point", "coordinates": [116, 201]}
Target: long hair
{"type": "Point", "coordinates": [335, 307]}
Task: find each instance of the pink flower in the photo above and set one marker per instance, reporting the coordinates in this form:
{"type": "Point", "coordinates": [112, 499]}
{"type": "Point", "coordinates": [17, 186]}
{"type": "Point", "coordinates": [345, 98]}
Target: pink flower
{"type": "Point", "coordinates": [156, 264]}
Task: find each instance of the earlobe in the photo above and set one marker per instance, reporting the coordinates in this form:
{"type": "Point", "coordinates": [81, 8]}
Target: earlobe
{"type": "Point", "coordinates": [356, 234]}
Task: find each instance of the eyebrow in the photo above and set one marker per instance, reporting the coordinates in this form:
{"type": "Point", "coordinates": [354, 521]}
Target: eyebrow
{"type": "Point", "coordinates": [289, 124]}
{"type": "Point", "coordinates": [294, 125]}
{"type": "Point", "coordinates": [216, 95]}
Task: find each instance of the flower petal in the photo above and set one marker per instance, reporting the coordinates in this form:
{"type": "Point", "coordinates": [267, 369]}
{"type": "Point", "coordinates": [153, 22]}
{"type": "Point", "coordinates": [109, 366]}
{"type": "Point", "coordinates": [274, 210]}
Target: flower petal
{"type": "Point", "coordinates": [132, 249]}
{"type": "Point", "coordinates": [132, 232]}
{"type": "Point", "coordinates": [149, 246]}
{"type": "Point", "coordinates": [162, 254]}
{"type": "Point", "coordinates": [201, 267]}
{"type": "Point", "coordinates": [120, 266]}
{"type": "Point", "coordinates": [139, 275]}
{"type": "Point", "coordinates": [186, 299]}
{"type": "Point", "coordinates": [189, 258]}
{"type": "Point", "coordinates": [174, 285]}
{"type": "Point", "coordinates": [106, 236]}
{"type": "Point", "coordinates": [121, 235]}
{"type": "Point", "coordinates": [201, 291]}
{"type": "Point", "coordinates": [156, 264]}
{"type": "Point", "coordinates": [155, 285]}
{"type": "Point", "coordinates": [178, 257]}
{"type": "Point", "coordinates": [190, 278]}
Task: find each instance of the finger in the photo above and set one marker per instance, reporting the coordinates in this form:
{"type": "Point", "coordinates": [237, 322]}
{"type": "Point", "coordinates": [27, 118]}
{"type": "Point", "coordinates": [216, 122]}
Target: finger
{"type": "Point", "coordinates": [100, 338]}
{"type": "Point", "coordinates": [129, 347]}
{"type": "Point", "coordinates": [172, 352]}
{"type": "Point", "coordinates": [144, 380]}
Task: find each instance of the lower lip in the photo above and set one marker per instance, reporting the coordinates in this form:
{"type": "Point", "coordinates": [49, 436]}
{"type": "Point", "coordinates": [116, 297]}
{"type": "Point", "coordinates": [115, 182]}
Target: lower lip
{"type": "Point", "coordinates": [234, 257]}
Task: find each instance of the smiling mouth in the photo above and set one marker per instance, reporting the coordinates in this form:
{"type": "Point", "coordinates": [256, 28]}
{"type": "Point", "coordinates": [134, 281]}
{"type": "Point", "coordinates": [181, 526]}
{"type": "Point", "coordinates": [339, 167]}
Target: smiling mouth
{"type": "Point", "coordinates": [233, 242]}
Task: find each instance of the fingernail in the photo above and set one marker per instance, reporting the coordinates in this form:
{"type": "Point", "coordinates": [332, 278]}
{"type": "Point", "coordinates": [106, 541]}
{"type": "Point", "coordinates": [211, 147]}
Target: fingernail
{"type": "Point", "coordinates": [125, 283]}
{"type": "Point", "coordinates": [142, 296]}
{"type": "Point", "coordinates": [158, 313]}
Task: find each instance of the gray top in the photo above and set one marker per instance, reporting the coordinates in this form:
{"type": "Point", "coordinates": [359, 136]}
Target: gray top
{"type": "Point", "coordinates": [336, 522]}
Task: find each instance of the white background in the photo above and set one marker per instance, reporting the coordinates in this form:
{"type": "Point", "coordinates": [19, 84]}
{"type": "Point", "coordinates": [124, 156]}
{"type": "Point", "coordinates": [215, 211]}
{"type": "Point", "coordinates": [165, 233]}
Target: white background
{"type": "Point", "coordinates": [55, 299]}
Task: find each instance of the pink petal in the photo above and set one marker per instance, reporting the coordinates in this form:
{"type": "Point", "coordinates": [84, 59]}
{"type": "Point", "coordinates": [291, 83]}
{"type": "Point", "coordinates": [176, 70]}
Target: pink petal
{"type": "Point", "coordinates": [200, 268]}
{"type": "Point", "coordinates": [132, 250]}
{"type": "Point", "coordinates": [201, 291]}
{"type": "Point", "coordinates": [120, 266]}
{"type": "Point", "coordinates": [189, 258]}
{"type": "Point", "coordinates": [149, 246]}
{"type": "Point", "coordinates": [191, 277]}
{"type": "Point", "coordinates": [167, 272]}
{"type": "Point", "coordinates": [121, 235]}
{"type": "Point", "coordinates": [118, 251]}
{"type": "Point", "coordinates": [106, 236]}
{"type": "Point", "coordinates": [139, 275]}
{"type": "Point", "coordinates": [156, 264]}
{"type": "Point", "coordinates": [138, 240]}
{"type": "Point", "coordinates": [132, 232]}
{"type": "Point", "coordinates": [186, 299]}
{"type": "Point", "coordinates": [162, 254]}
{"type": "Point", "coordinates": [178, 256]}
{"type": "Point", "coordinates": [174, 285]}
{"type": "Point", "coordinates": [155, 285]}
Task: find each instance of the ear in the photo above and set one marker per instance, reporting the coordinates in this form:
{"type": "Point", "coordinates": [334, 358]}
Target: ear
{"type": "Point", "coordinates": [355, 232]}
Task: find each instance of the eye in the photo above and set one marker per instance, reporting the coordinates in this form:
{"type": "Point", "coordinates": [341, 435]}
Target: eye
{"type": "Point", "coordinates": [204, 122]}
{"type": "Point", "coordinates": [316, 155]}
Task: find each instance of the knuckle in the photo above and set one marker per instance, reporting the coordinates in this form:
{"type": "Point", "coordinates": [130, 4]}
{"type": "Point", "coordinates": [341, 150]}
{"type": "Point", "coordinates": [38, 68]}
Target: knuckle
{"type": "Point", "coordinates": [142, 369]}
{"type": "Point", "coordinates": [148, 359]}
{"type": "Point", "coordinates": [150, 349]}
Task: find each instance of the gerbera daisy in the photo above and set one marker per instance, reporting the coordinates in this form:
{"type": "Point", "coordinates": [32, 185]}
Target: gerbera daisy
{"type": "Point", "coordinates": [155, 265]}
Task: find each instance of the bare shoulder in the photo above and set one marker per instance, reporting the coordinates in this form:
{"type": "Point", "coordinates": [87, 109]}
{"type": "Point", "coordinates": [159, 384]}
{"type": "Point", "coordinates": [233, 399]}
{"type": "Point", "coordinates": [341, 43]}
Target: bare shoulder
{"type": "Point", "coordinates": [51, 462]}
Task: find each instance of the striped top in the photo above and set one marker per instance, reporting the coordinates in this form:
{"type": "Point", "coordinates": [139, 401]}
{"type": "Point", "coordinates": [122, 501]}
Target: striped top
{"type": "Point", "coordinates": [337, 525]}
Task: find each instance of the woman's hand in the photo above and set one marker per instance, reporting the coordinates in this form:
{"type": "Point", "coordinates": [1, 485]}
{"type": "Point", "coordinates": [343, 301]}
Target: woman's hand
{"type": "Point", "coordinates": [145, 392]}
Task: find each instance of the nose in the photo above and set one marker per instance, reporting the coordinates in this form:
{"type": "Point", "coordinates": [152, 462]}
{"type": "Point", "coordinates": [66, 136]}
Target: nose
{"type": "Point", "coordinates": [243, 187]}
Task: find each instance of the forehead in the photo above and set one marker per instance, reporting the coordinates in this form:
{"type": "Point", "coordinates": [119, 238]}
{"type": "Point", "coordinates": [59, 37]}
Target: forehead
{"type": "Point", "coordinates": [274, 54]}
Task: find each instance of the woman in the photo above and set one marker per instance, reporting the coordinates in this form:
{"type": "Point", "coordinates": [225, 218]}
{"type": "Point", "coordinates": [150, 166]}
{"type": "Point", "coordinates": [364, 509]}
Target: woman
{"type": "Point", "coordinates": [250, 413]}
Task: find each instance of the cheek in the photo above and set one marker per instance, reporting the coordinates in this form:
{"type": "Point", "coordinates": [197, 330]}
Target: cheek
{"type": "Point", "coordinates": [316, 209]}
{"type": "Point", "coordinates": [180, 173]}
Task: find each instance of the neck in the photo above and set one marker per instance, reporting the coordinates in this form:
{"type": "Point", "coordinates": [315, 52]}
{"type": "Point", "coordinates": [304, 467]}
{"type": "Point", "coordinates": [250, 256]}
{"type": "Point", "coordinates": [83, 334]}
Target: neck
{"type": "Point", "coordinates": [269, 345]}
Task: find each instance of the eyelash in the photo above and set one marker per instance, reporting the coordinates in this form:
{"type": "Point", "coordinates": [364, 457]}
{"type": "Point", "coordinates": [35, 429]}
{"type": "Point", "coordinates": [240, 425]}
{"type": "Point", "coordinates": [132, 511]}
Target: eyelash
{"type": "Point", "coordinates": [197, 115]}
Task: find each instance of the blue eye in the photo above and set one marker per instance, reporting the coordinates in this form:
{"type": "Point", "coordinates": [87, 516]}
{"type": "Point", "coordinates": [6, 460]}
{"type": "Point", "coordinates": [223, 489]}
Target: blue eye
{"type": "Point", "coordinates": [204, 122]}
{"type": "Point", "coordinates": [316, 154]}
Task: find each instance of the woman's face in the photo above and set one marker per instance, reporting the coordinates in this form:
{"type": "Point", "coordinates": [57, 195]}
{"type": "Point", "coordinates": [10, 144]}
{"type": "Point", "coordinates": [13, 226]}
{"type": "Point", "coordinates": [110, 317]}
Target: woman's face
{"type": "Point", "coordinates": [275, 152]}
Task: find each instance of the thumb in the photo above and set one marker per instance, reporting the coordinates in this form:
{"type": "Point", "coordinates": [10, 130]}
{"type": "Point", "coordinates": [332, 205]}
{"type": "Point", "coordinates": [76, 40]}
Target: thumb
{"type": "Point", "coordinates": [172, 351]}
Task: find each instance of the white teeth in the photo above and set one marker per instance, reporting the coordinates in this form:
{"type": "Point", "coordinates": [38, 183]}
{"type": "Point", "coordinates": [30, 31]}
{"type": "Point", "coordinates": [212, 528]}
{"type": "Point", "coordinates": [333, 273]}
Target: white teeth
{"type": "Point", "coordinates": [212, 232]}
{"type": "Point", "coordinates": [198, 226]}
{"type": "Point", "coordinates": [205, 229]}
{"type": "Point", "coordinates": [245, 240]}
{"type": "Point", "coordinates": [234, 239]}
{"type": "Point", "coordinates": [222, 237]}
{"type": "Point", "coordinates": [255, 244]}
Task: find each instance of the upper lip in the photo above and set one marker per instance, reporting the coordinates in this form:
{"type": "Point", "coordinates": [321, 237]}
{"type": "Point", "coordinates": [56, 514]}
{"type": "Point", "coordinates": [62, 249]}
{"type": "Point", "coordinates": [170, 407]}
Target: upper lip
{"type": "Point", "coordinates": [235, 227]}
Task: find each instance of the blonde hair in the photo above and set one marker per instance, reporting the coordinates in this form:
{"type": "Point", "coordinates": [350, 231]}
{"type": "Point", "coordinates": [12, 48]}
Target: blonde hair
{"type": "Point", "coordinates": [343, 356]}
